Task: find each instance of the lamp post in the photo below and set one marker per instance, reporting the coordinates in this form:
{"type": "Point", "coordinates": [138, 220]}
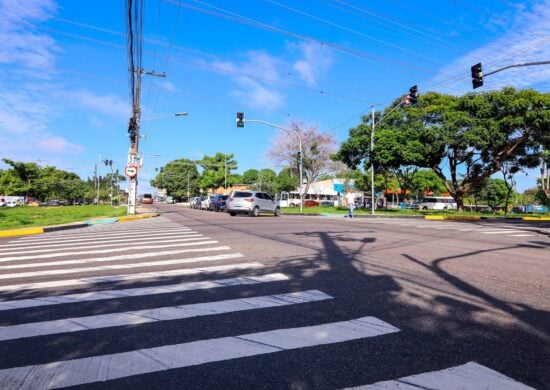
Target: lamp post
{"type": "Point", "coordinates": [242, 120]}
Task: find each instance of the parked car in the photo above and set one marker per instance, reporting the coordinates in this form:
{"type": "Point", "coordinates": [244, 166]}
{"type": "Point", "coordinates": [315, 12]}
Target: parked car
{"type": "Point", "coordinates": [2, 203]}
{"type": "Point", "coordinates": [252, 203]}
{"type": "Point", "coordinates": [12, 203]}
{"type": "Point", "coordinates": [311, 203]}
{"type": "Point", "coordinates": [218, 203]}
{"type": "Point", "coordinates": [205, 202]}
{"type": "Point", "coordinates": [195, 203]}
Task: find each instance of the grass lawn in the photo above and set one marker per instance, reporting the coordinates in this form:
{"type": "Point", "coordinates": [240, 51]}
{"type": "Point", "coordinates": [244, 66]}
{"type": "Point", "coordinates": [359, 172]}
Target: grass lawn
{"type": "Point", "coordinates": [394, 212]}
{"type": "Point", "coordinates": [22, 217]}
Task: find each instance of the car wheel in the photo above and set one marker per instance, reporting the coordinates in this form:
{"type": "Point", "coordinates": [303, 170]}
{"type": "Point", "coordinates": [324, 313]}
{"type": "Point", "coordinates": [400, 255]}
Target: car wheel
{"type": "Point", "coordinates": [277, 212]}
{"type": "Point", "coordinates": [255, 212]}
{"type": "Point", "coordinates": [232, 214]}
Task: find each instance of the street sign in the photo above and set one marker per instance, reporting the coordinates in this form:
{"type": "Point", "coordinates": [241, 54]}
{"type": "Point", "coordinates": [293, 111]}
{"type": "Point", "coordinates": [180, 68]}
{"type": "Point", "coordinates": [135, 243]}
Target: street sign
{"type": "Point", "coordinates": [130, 171]}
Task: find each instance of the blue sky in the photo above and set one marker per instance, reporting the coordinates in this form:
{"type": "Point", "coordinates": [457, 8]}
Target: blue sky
{"type": "Point", "coordinates": [65, 94]}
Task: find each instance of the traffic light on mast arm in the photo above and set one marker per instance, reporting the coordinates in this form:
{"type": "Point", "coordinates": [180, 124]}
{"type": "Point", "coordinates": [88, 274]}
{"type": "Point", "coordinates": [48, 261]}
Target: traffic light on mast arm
{"type": "Point", "coordinates": [240, 119]}
{"type": "Point", "coordinates": [477, 76]}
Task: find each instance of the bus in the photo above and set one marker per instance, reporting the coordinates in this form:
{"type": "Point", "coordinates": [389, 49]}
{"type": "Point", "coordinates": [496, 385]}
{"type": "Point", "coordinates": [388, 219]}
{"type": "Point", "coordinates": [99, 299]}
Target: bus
{"type": "Point", "coordinates": [147, 199]}
{"type": "Point", "coordinates": [438, 203]}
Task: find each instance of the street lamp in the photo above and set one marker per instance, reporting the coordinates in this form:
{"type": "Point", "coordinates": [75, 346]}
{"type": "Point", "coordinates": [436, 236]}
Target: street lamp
{"type": "Point", "coordinates": [241, 120]}
{"type": "Point", "coordinates": [154, 118]}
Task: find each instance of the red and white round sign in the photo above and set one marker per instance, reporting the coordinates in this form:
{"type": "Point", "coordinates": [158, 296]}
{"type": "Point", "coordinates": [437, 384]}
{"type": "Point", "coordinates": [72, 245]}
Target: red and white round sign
{"type": "Point", "coordinates": [130, 171]}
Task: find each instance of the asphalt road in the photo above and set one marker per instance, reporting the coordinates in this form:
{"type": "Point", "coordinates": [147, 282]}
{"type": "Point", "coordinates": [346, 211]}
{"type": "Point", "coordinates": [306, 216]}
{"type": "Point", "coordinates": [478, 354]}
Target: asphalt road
{"type": "Point", "coordinates": [326, 302]}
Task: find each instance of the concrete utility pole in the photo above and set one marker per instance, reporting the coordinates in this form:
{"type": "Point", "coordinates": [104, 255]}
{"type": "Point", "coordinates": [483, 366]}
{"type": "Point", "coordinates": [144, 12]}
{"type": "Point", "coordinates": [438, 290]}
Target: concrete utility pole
{"type": "Point", "coordinates": [133, 153]}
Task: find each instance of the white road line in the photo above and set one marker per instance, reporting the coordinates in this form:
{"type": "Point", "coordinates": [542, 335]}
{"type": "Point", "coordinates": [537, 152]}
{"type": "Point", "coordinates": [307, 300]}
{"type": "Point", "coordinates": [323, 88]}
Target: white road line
{"type": "Point", "coordinates": [102, 244]}
{"type": "Point", "coordinates": [110, 267]}
{"type": "Point", "coordinates": [76, 237]}
{"type": "Point", "coordinates": [141, 291]}
{"type": "Point", "coordinates": [471, 376]}
{"type": "Point", "coordinates": [125, 364]}
{"type": "Point", "coordinates": [502, 231]}
{"type": "Point", "coordinates": [103, 238]}
{"type": "Point", "coordinates": [100, 251]}
{"type": "Point", "coordinates": [158, 314]}
{"type": "Point", "coordinates": [141, 275]}
{"type": "Point", "coordinates": [521, 235]}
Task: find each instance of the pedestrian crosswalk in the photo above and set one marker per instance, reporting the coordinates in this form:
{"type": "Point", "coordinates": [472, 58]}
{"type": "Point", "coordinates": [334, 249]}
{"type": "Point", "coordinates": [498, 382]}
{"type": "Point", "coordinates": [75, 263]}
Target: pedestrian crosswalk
{"type": "Point", "coordinates": [117, 278]}
{"type": "Point", "coordinates": [510, 230]}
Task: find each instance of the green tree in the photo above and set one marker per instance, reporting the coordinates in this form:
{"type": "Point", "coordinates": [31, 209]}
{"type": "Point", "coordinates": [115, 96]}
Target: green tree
{"type": "Point", "coordinates": [466, 139]}
{"type": "Point", "coordinates": [250, 176]}
{"type": "Point", "coordinates": [217, 170]}
{"type": "Point", "coordinates": [179, 177]}
{"type": "Point", "coordinates": [266, 182]}
{"type": "Point", "coordinates": [287, 180]}
{"type": "Point", "coordinates": [495, 193]}
{"type": "Point", "coordinates": [426, 181]}
{"type": "Point", "coordinates": [26, 173]}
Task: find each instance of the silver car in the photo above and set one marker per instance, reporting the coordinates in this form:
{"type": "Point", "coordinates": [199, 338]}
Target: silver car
{"type": "Point", "coordinates": [252, 203]}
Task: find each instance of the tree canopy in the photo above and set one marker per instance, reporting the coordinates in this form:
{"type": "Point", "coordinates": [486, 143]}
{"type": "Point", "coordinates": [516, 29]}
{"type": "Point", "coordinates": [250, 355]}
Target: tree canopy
{"type": "Point", "coordinates": [464, 139]}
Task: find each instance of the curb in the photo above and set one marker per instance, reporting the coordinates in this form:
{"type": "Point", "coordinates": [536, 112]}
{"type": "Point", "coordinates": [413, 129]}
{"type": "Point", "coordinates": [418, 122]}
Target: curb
{"type": "Point", "coordinates": [56, 228]}
{"type": "Point", "coordinates": [21, 232]}
{"type": "Point", "coordinates": [454, 217]}
{"type": "Point", "coordinates": [544, 219]}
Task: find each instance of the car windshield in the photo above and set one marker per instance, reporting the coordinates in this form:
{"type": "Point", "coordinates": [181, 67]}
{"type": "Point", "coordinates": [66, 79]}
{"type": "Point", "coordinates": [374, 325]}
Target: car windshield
{"type": "Point", "coordinates": [242, 194]}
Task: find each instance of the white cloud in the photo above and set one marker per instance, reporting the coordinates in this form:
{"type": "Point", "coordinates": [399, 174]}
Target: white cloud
{"type": "Point", "coordinates": [58, 144]}
{"type": "Point", "coordinates": [111, 105]}
{"type": "Point", "coordinates": [527, 40]}
{"type": "Point", "coordinates": [316, 60]}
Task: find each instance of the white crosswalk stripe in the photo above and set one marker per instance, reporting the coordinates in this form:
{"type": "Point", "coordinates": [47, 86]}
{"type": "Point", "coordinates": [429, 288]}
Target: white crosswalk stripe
{"type": "Point", "coordinates": [135, 292]}
{"type": "Point", "coordinates": [157, 314]}
{"type": "Point", "coordinates": [471, 376]}
{"type": "Point", "coordinates": [120, 365]}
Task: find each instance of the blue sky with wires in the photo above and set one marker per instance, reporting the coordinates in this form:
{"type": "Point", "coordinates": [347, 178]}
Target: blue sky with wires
{"type": "Point", "coordinates": [65, 89]}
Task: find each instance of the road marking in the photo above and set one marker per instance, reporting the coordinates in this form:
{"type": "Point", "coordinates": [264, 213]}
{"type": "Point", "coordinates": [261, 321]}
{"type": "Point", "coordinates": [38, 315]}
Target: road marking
{"type": "Point", "coordinates": [110, 267]}
{"type": "Point", "coordinates": [103, 238]}
{"type": "Point", "coordinates": [471, 376]}
{"type": "Point", "coordinates": [141, 275]}
{"type": "Point", "coordinates": [141, 291]}
{"type": "Point", "coordinates": [502, 231]}
{"type": "Point", "coordinates": [99, 251]}
{"type": "Point", "coordinates": [102, 233]}
{"type": "Point", "coordinates": [158, 314]}
{"type": "Point", "coordinates": [120, 365]}
{"type": "Point", "coordinates": [102, 244]}
{"type": "Point", "coordinates": [521, 235]}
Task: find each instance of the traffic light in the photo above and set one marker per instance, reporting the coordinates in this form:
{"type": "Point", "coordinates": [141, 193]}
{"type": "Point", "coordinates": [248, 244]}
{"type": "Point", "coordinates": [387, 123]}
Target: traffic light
{"type": "Point", "coordinates": [298, 158]}
{"type": "Point", "coordinates": [477, 76]}
{"type": "Point", "coordinates": [413, 95]}
{"type": "Point", "coordinates": [161, 169]}
{"type": "Point", "coordinates": [240, 119]}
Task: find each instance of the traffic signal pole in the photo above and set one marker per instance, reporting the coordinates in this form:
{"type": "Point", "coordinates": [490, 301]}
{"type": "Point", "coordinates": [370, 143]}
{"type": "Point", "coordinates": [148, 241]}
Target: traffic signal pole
{"type": "Point", "coordinates": [410, 99]}
{"type": "Point", "coordinates": [240, 123]}
{"type": "Point", "coordinates": [478, 75]}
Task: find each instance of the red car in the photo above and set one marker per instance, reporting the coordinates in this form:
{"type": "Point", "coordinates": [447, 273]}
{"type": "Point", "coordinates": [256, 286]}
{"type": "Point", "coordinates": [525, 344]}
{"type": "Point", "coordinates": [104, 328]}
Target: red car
{"type": "Point", "coordinates": [311, 203]}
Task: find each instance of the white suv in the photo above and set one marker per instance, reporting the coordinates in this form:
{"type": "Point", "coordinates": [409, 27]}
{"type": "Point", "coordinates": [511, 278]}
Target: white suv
{"type": "Point", "coordinates": [252, 203]}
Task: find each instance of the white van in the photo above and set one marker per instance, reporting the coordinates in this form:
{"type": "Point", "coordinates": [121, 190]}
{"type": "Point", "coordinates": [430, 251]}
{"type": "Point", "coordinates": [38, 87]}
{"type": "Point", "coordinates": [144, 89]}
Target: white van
{"type": "Point", "coordinates": [438, 203]}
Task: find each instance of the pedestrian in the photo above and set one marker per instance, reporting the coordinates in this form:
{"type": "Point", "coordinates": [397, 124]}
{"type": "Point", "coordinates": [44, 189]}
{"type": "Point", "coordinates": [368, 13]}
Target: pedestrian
{"type": "Point", "coordinates": [350, 198]}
